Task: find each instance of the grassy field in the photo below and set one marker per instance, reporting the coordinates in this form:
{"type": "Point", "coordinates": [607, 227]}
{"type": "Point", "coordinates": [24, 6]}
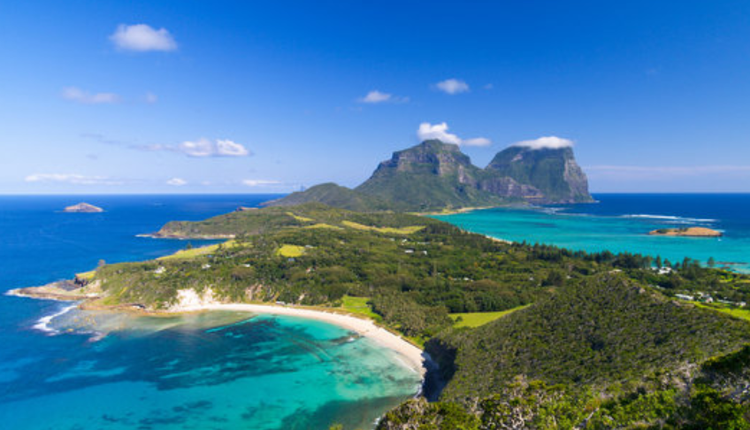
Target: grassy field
{"type": "Point", "coordinates": [291, 251]}
{"type": "Point", "coordinates": [391, 230]}
{"type": "Point", "coordinates": [322, 225]}
{"type": "Point", "coordinates": [475, 319]}
{"type": "Point", "coordinates": [300, 218]}
{"type": "Point", "coordinates": [197, 252]}
{"type": "Point", "coordinates": [359, 306]}
{"type": "Point", "coordinates": [735, 312]}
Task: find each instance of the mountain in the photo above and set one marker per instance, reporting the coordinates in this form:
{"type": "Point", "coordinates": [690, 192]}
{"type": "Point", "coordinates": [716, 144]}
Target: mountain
{"type": "Point", "coordinates": [431, 175]}
{"type": "Point", "coordinates": [435, 176]}
{"type": "Point", "coordinates": [551, 173]}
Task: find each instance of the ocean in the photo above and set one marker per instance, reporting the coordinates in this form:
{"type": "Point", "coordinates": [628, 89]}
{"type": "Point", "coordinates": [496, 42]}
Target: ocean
{"type": "Point", "coordinates": [621, 222]}
{"type": "Point", "coordinates": [215, 370]}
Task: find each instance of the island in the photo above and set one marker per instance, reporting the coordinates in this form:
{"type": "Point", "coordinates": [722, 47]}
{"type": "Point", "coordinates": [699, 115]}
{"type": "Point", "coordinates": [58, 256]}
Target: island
{"type": "Point", "coordinates": [83, 208]}
{"type": "Point", "coordinates": [687, 232]}
{"type": "Point", "coordinates": [522, 335]}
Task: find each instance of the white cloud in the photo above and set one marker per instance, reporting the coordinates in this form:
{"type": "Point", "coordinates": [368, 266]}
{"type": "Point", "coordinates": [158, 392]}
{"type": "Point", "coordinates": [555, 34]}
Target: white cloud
{"type": "Point", "coordinates": [207, 148]}
{"type": "Point", "coordinates": [427, 131]}
{"type": "Point", "coordinates": [177, 182]}
{"type": "Point", "coordinates": [142, 38]}
{"type": "Point", "coordinates": [78, 95]}
{"type": "Point", "coordinates": [453, 86]}
{"type": "Point", "coordinates": [546, 142]}
{"type": "Point", "coordinates": [150, 98]}
{"type": "Point", "coordinates": [71, 178]}
{"type": "Point", "coordinates": [376, 96]}
{"type": "Point", "coordinates": [259, 182]}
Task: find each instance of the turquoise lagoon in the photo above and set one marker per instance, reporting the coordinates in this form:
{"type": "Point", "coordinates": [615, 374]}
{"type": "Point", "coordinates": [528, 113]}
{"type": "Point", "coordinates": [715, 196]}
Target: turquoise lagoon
{"type": "Point", "coordinates": [621, 222]}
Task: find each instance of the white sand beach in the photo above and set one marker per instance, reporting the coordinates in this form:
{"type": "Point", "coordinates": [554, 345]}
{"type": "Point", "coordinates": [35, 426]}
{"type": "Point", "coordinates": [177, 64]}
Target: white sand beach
{"type": "Point", "coordinates": [191, 302]}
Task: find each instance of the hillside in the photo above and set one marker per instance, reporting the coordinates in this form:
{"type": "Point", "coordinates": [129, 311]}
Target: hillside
{"type": "Point", "coordinates": [435, 176]}
{"type": "Point", "coordinates": [599, 332]}
{"type": "Point", "coordinates": [332, 195]}
{"type": "Point", "coordinates": [601, 354]}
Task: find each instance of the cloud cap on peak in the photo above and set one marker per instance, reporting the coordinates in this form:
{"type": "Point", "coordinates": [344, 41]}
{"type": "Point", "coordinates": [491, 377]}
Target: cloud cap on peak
{"type": "Point", "coordinates": [427, 131]}
{"type": "Point", "coordinates": [546, 142]}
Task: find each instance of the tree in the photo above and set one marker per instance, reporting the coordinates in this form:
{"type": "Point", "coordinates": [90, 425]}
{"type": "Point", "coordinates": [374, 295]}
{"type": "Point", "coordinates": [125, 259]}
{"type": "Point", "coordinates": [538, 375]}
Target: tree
{"type": "Point", "coordinates": [658, 261]}
{"type": "Point", "coordinates": [711, 262]}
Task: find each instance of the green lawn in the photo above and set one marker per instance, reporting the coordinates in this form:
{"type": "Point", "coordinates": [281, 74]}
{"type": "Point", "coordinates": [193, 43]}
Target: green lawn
{"type": "Point", "coordinates": [291, 251]}
{"type": "Point", "coordinates": [475, 319]}
{"type": "Point", "coordinates": [359, 306]}
{"type": "Point", "coordinates": [735, 312]}
{"type": "Point", "coordinates": [197, 252]}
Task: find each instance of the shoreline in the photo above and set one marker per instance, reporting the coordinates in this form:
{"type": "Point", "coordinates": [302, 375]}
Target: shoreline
{"type": "Point", "coordinates": [415, 357]}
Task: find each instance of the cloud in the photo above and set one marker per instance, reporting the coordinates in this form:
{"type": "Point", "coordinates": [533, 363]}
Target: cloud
{"type": "Point", "coordinates": [215, 148]}
{"type": "Point", "coordinates": [453, 86]}
{"type": "Point", "coordinates": [78, 95]}
{"type": "Point", "coordinates": [427, 131]}
{"type": "Point", "coordinates": [150, 98]}
{"type": "Point", "coordinates": [201, 148]}
{"type": "Point", "coordinates": [546, 142]}
{"type": "Point", "coordinates": [71, 178]}
{"type": "Point", "coordinates": [177, 182]}
{"type": "Point", "coordinates": [142, 38]}
{"type": "Point", "coordinates": [259, 182]}
{"type": "Point", "coordinates": [375, 96]}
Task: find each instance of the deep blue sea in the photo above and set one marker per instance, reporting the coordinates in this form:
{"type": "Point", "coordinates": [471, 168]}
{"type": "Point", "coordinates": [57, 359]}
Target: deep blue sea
{"type": "Point", "coordinates": [621, 222]}
{"type": "Point", "coordinates": [217, 370]}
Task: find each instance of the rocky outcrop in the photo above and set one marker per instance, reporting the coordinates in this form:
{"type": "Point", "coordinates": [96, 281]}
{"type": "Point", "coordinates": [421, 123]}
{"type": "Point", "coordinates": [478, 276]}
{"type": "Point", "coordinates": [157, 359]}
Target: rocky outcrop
{"type": "Point", "coordinates": [83, 208]}
{"type": "Point", "coordinates": [688, 232]}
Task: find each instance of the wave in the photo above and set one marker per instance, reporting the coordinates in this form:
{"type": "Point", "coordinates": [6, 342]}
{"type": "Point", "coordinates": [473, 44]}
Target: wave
{"type": "Point", "coordinates": [670, 218]}
{"type": "Point", "coordinates": [43, 323]}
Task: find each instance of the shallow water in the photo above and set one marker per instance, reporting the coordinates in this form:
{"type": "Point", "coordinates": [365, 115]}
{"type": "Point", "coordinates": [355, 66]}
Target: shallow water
{"type": "Point", "coordinates": [223, 370]}
{"type": "Point", "coordinates": [621, 222]}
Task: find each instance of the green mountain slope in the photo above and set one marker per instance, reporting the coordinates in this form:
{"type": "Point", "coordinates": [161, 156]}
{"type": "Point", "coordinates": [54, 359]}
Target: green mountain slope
{"type": "Point", "coordinates": [333, 195]}
{"type": "Point", "coordinates": [600, 332]}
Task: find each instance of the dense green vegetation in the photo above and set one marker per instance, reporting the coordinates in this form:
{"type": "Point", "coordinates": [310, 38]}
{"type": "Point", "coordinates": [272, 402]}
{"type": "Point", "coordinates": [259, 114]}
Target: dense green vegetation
{"type": "Point", "coordinates": [599, 338]}
{"type": "Point", "coordinates": [335, 196]}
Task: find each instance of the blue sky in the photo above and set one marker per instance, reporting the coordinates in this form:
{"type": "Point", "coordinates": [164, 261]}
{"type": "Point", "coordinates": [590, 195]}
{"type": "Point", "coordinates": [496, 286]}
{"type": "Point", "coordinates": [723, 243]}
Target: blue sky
{"type": "Point", "coordinates": [209, 97]}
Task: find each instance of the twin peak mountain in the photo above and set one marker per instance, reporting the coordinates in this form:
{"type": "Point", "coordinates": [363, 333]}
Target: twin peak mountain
{"type": "Point", "coordinates": [434, 176]}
